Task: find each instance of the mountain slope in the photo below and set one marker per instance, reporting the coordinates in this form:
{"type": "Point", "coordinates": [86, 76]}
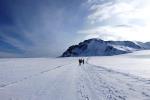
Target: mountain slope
{"type": "Point", "coordinates": [98, 47]}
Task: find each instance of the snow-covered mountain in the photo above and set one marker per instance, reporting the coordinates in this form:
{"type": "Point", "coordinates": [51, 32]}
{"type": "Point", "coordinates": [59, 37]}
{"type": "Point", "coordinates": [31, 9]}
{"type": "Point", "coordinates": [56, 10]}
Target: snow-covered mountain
{"type": "Point", "coordinates": [98, 47]}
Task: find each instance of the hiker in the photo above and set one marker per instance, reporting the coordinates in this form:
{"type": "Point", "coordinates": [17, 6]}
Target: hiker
{"type": "Point", "coordinates": [83, 61]}
{"type": "Point", "coordinates": [80, 61]}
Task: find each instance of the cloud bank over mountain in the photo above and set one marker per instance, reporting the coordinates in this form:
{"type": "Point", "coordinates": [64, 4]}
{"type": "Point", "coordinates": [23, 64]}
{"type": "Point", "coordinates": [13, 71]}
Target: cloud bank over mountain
{"type": "Point", "coordinates": [118, 19]}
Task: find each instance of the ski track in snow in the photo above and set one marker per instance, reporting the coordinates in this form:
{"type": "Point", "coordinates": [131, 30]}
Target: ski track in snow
{"type": "Point", "coordinates": [73, 82]}
{"type": "Point", "coordinates": [28, 77]}
{"type": "Point", "coordinates": [115, 85]}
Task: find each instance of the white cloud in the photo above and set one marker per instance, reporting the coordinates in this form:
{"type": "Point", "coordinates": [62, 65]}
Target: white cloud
{"type": "Point", "coordinates": [117, 15]}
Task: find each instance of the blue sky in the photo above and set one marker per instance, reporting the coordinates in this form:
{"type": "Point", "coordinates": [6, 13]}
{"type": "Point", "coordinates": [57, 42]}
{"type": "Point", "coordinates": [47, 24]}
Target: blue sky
{"type": "Point", "coordinates": [43, 28]}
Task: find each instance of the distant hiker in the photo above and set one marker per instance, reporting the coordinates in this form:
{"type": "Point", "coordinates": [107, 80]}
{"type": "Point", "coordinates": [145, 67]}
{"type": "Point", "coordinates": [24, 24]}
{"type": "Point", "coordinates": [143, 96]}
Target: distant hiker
{"type": "Point", "coordinates": [80, 61]}
{"type": "Point", "coordinates": [83, 61]}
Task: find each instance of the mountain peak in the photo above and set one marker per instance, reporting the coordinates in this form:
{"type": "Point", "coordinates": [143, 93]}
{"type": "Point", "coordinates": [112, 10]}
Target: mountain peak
{"type": "Point", "coordinates": [99, 47]}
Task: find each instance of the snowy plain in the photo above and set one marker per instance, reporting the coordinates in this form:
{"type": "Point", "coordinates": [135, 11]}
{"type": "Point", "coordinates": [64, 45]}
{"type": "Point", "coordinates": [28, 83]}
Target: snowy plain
{"type": "Point", "coordinates": [121, 77]}
{"type": "Point", "coordinates": [137, 63]}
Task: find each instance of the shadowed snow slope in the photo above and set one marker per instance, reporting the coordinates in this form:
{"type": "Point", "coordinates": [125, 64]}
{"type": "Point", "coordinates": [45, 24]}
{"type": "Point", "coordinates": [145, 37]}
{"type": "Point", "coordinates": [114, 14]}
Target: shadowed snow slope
{"type": "Point", "coordinates": [101, 78]}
